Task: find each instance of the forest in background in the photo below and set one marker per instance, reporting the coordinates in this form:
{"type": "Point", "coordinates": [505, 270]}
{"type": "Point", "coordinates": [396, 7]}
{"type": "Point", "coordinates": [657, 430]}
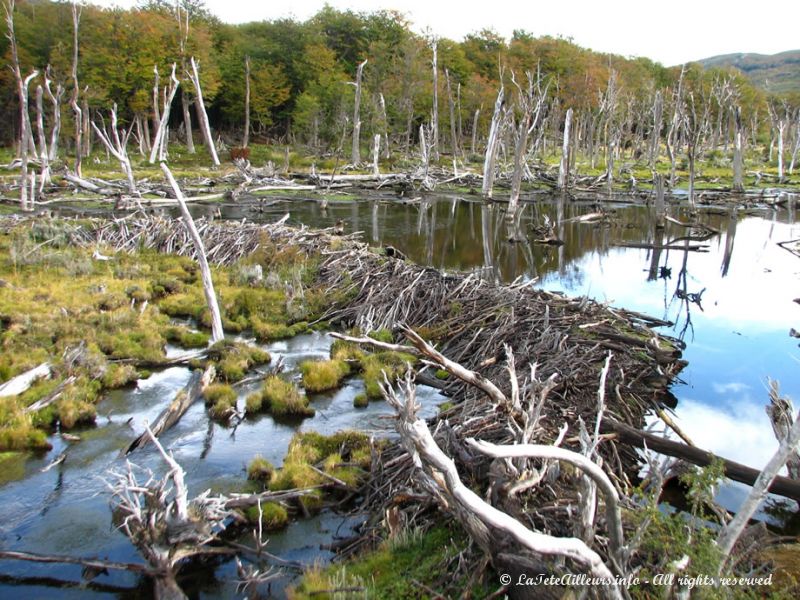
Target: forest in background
{"type": "Point", "coordinates": [301, 75]}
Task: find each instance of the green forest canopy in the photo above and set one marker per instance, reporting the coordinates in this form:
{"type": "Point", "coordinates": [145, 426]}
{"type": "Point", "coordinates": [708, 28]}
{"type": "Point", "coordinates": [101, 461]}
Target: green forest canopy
{"type": "Point", "coordinates": [301, 70]}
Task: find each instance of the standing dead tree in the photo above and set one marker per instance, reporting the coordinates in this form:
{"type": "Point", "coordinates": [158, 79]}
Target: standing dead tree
{"type": "Point", "coordinates": [24, 115]}
{"type": "Point", "coordinates": [655, 133]}
{"type": "Point", "coordinates": [738, 161]}
{"type": "Point", "coordinates": [75, 99]}
{"type": "Point", "coordinates": [563, 167]}
{"type": "Point", "coordinates": [530, 103]}
{"type": "Point", "coordinates": [117, 144]}
{"type": "Point", "coordinates": [498, 118]}
{"type": "Point", "coordinates": [454, 141]}
{"type": "Point", "coordinates": [355, 156]}
{"type": "Point", "coordinates": [194, 75]}
{"type": "Point", "coordinates": [696, 121]}
{"type": "Point", "coordinates": [161, 139]}
{"type": "Point", "coordinates": [435, 107]}
{"type": "Point", "coordinates": [246, 137]}
{"type": "Point", "coordinates": [55, 100]}
{"type": "Point", "coordinates": [779, 116]}
{"type": "Point", "coordinates": [676, 122]}
{"type": "Point", "coordinates": [182, 16]}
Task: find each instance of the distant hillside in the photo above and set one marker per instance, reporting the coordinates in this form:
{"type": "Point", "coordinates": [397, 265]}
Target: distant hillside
{"type": "Point", "coordinates": [772, 72]}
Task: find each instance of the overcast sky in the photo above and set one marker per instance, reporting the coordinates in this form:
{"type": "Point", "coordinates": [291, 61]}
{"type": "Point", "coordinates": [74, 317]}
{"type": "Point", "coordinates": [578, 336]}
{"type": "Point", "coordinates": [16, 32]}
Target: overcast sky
{"type": "Point", "coordinates": [671, 31]}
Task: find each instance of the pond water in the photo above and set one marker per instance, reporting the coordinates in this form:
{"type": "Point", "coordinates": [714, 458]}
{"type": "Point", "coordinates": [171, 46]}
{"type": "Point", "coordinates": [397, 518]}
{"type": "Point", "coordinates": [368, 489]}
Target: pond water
{"type": "Point", "coordinates": [736, 332]}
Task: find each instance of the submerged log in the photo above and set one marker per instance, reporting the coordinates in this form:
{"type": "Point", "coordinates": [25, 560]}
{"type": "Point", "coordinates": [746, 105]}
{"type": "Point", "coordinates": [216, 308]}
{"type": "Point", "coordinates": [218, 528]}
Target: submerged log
{"type": "Point", "coordinates": [176, 409]}
{"type": "Point", "coordinates": [781, 486]}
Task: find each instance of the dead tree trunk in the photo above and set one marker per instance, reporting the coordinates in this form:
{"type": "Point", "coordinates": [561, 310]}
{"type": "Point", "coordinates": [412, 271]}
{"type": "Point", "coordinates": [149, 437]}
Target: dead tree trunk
{"type": "Point", "coordinates": [672, 134]}
{"type": "Point", "coordinates": [563, 167]}
{"type": "Point", "coordinates": [655, 134]}
{"type": "Point", "coordinates": [156, 103]}
{"type": "Point", "coordinates": [217, 333]}
{"type": "Point", "coordinates": [161, 138]}
{"type": "Point", "coordinates": [491, 144]}
{"type": "Point", "coordinates": [187, 122]}
{"type": "Point", "coordinates": [26, 201]}
{"type": "Point", "coordinates": [43, 155]}
{"type": "Point", "coordinates": [201, 111]}
{"type": "Point", "coordinates": [454, 143]}
{"type": "Point", "coordinates": [474, 144]}
{"type": "Point", "coordinates": [74, 101]}
{"type": "Point", "coordinates": [738, 177]}
{"type": "Point", "coordinates": [781, 131]}
{"type": "Point", "coordinates": [55, 100]}
{"type": "Point", "coordinates": [356, 153]}
{"type": "Point", "coordinates": [376, 151]}
{"type": "Point", "coordinates": [117, 145]}
{"type": "Point", "coordinates": [435, 108]}
{"type": "Point", "coordinates": [387, 150]}
{"type": "Point", "coordinates": [246, 138]}
{"type": "Point", "coordinates": [781, 414]}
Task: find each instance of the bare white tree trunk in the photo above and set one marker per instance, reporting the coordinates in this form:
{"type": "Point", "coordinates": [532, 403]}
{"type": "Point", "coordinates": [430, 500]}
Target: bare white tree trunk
{"type": "Point", "coordinates": [475, 130]}
{"type": "Point", "coordinates": [376, 151]}
{"type": "Point", "coordinates": [43, 155]}
{"type": "Point", "coordinates": [781, 130]}
{"type": "Point", "coordinates": [655, 134]}
{"type": "Point", "coordinates": [387, 150]}
{"type": "Point", "coordinates": [217, 332]}
{"type": "Point", "coordinates": [731, 532]}
{"type": "Point", "coordinates": [454, 142]}
{"type": "Point", "coordinates": [55, 100]}
{"type": "Point", "coordinates": [563, 167]}
{"type": "Point", "coordinates": [74, 102]}
{"type": "Point", "coordinates": [246, 138]}
{"type": "Point", "coordinates": [117, 145]}
{"type": "Point", "coordinates": [187, 123]}
{"type": "Point", "coordinates": [156, 103]}
{"type": "Point", "coordinates": [355, 156]}
{"type": "Point", "coordinates": [26, 202]}
{"type": "Point", "coordinates": [201, 111]}
{"type": "Point", "coordinates": [435, 108]}
{"type": "Point", "coordinates": [161, 137]}
{"type": "Point", "coordinates": [738, 177]}
{"type": "Point", "coordinates": [491, 144]}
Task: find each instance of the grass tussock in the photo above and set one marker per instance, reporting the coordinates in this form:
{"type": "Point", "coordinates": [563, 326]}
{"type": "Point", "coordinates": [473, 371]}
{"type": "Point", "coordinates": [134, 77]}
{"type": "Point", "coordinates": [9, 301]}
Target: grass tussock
{"type": "Point", "coordinates": [281, 398]}
{"type": "Point", "coordinates": [323, 375]}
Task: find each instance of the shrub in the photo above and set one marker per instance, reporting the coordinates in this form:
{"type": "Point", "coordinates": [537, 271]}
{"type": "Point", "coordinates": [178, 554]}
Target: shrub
{"type": "Point", "coordinates": [321, 376]}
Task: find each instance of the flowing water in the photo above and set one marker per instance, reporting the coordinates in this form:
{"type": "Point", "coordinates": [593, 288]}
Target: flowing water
{"type": "Point", "coordinates": [733, 305]}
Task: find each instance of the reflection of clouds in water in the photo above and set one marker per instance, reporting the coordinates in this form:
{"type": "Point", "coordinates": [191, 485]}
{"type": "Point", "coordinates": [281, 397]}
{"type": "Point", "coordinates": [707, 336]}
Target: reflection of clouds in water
{"type": "Point", "coordinates": [740, 431]}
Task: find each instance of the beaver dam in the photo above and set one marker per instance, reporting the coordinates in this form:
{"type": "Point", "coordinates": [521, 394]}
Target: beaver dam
{"type": "Point", "coordinates": [528, 469]}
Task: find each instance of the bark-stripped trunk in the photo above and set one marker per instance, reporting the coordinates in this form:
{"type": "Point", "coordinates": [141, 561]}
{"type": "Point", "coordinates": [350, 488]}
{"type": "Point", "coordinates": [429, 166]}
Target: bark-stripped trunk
{"type": "Point", "coordinates": [161, 137]}
{"type": "Point", "coordinates": [26, 202]}
{"type": "Point", "coordinates": [55, 99]}
{"type": "Point", "coordinates": [117, 145]}
{"type": "Point", "coordinates": [738, 178]}
{"type": "Point", "coordinates": [435, 110]}
{"type": "Point", "coordinates": [781, 131]}
{"type": "Point", "coordinates": [187, 123]}
{"type": "Point", "coordinates": [356, 152]}
{"type": "Point", "coordinates": [563, 168]}
{"type": "Point", "coordinates": [43, 155]}
{"type": "Point", "coordinates": [217, 333]}
{"type": "Point", "coordinates": [201, 112]}
{"type": "Point", "coordinates": [386, 150]}
{"type": "Point", "coordinates": [156, 101]}
{"type": "Point", "coordinates": [475, 131]}
{"type": "Point", "coordinates": [453, 135]}
{"type": "Point", "coordinates": [74, 102]}
{"type": "Point", "coordinates": [246, 139]}
{"type": "Point", "coordinates": [491, 144]}
{"type": "Point", "coordinates": [655, 135]}
{"type": "Point", "coordinates": [376, 151]}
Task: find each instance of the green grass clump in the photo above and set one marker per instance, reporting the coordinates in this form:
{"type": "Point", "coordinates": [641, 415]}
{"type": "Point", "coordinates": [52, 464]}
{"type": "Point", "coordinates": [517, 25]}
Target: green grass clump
{"type": "Point", "coordinates": [220, 399]}
{"type": "Point", "coordinates": [441, 374]}
{"type": "Point", "coordinates": [394, 364]}
{"type": "Point", "coordinates": [119, 375]}
{"type": "Point", "coordinates": [273, 516]}
{"type": "Point", "coordinates": [234, 359]}
{"type": "Point", "coordinates": [260, 469]}
{"type": "Point", "coordinates": [265, 331]}
{"type": "Point", "coordinates": [281, 398]}
{"type": "Point", "coordinates": [186, 338]}
{"type": "Point", "coordinates": [382, 335]}
{"type": "Point", "coordinates": [76, 406]}
{"type": "Point", "coordinates": [342, 350]}
{"type": "Point", "coordinates": [19, 433]}
{"type": "Point", "coordinates": [390, 571]}
{"type": "Point", "coordinates": [360, 401]}
{"type": "Point", "coordinates": [323, 375]}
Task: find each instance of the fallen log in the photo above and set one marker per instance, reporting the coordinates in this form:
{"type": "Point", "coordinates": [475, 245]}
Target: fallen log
{"type": "Point", "coordinates": [50, 398]}
{"type": "Point", "coordinates": [782, 486]}
{"type": "Point", "coordinates": [20, 383]}
{"type": "Point", "coordinates": [91, 563]}
{"type": "Point", "coordinates": [179, 405]}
